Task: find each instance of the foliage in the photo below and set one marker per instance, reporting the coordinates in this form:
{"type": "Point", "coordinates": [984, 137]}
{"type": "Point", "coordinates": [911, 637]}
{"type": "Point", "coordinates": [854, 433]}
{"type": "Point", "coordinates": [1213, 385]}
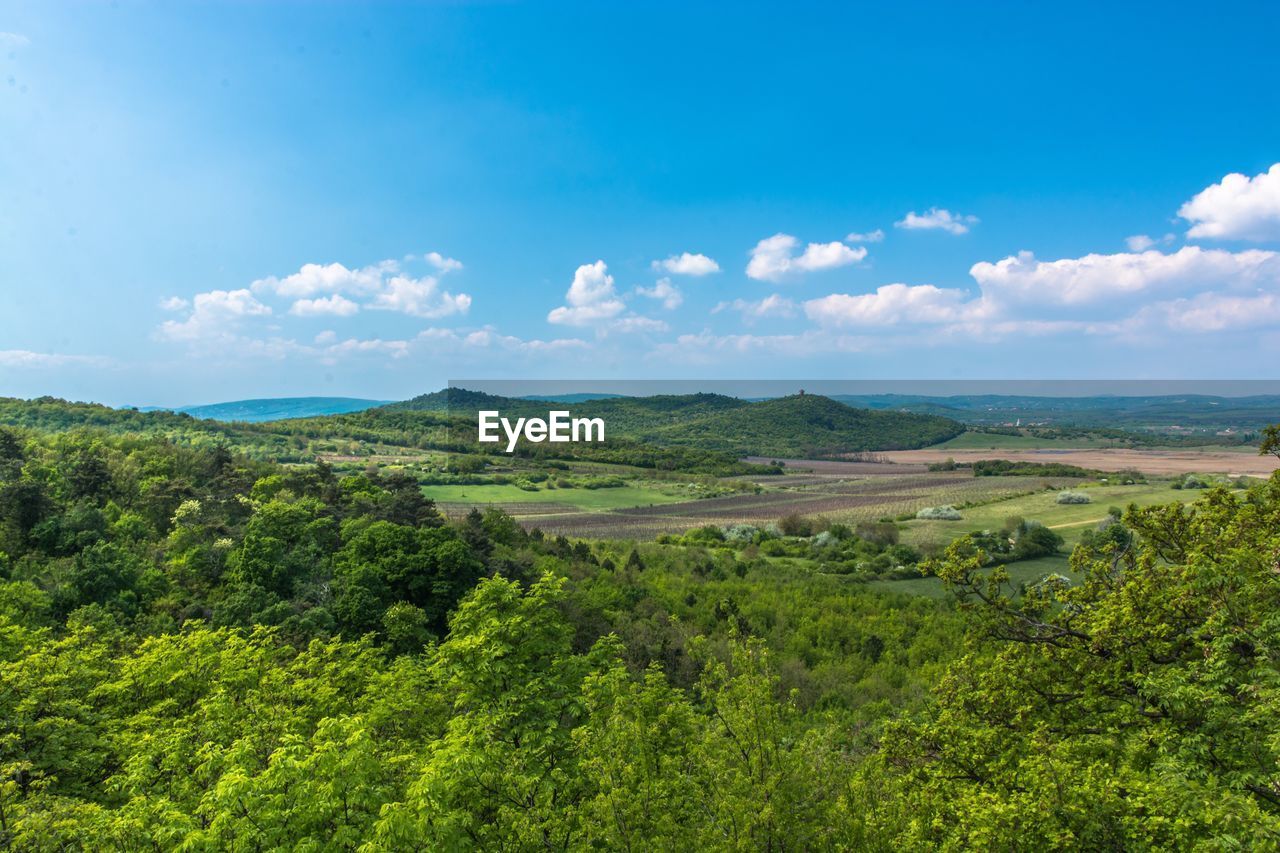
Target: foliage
{"type": "Point", "coordinates": [203, 651]}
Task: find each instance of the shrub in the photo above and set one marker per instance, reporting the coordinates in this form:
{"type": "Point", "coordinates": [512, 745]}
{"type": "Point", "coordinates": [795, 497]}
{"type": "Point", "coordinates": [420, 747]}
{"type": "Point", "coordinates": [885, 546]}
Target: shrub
{"type": "Point", "coordinates": [823, 540]}
{"type": "Point", "coordinates": [882, 533]}
{"type": "Point", "coordinates": [940, 513]}
{"type": "Point", "coordinates": [1066, 496]}
{"type": "Point", "coordinates": [741, 534]}
{"type": "Point", "coordinates": [795, 525]}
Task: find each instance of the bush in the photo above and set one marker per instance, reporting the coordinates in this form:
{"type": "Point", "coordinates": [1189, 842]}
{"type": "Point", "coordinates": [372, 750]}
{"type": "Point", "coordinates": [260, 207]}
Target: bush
{"type": "Point", "coordinates": [795, 525]}
{"type": "Point", "coordinates": [741, 534]}
{"type": "Point", "coordinates": [1067, 496]}
{"type": "Point", "coordinates": [882, 533]}
{"type": "Point", "coordinates": [823, 540]}
{"type": "Point", "coordinates": [940, 513]}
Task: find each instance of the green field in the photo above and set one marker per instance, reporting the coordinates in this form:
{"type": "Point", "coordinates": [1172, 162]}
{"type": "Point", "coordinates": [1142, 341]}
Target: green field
{"type": "Point", "coordinates": [585, 499]}
{"type": "Point", "coordinates": [1024, 571]}
{"type": "Point", "coordinates": [1070, 520]}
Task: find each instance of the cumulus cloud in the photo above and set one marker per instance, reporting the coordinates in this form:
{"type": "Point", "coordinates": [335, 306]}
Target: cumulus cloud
{"type": "Point", "coordinates": [937, 218]}
{"type": "Point", "coordinates": [1125, 295]}
{"type": "Point", "coordinates": [1204, 313]}
{"type": "Point", "coordinates": [591, 298]}
{"type": "Point", "coordinates": [663, 290]}
{"type": "Point", "coordinates": [336, 305]}
{"type": "Point", "coordinates": [893, 304]}
{"type": "Point", "coordinates": [313, 279]}
{"type": "Point", "coordinates": [1237, 208]}
{"type": "Point", "coordinates": [876, 236]}
{"type": "Point", "coordinates": [1143, 242]}
{"type": "Point", "coordinates": [175, 303]}
{"type": "Point", "coordinates": [214, 315]}
{"type": "Point", "coordinates": [774, 305]}
{"type": "Point", "coordinates": [442, 263]}
{"type": "Point", "coordinates": [774, 258]}
{"type": "Point", "coordinates": [419, 297]}
{"type": "Point", "coordinates": [687, 264]}
{"type": "Point", "coordinates": [383, 286]}
{"type": "Point", "coordinates": [1095, 279]}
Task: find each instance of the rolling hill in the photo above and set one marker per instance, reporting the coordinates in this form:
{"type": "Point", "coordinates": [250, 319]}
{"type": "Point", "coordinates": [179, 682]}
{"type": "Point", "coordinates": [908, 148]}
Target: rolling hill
{"type": "Point", "coordinates": [800, 425]}
{"type": "Point", "coordinates": [807, 425]}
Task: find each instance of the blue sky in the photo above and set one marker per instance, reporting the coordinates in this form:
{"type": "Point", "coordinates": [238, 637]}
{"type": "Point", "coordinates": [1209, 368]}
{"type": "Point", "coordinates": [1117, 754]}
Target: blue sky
{"type": "Point", "coordinates": [212, 201]}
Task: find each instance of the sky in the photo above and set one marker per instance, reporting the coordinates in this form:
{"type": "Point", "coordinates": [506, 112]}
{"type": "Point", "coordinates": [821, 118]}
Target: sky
{"type": "Point", "coordinates": [215, 201]}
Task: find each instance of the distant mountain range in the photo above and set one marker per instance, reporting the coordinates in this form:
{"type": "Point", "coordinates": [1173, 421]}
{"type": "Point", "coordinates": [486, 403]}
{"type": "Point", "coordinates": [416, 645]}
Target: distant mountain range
{"type": "Point", "coordinates": [274, 408]}
{"type": "Point", "coordinates": [1136, 412]}
{"type": "Point", "coordinates": [692, 418]}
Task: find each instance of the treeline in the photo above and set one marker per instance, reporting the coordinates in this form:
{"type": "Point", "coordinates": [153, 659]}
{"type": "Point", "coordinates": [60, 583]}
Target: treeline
{"type": "Point", "coordinates": [1007, 468]}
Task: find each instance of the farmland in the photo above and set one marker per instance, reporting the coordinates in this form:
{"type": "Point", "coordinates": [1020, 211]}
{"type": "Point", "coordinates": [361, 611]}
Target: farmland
{"type": "Point", "coordinates": [1157, 461]}
{"type": "Point", "coordinates": [846, 492]}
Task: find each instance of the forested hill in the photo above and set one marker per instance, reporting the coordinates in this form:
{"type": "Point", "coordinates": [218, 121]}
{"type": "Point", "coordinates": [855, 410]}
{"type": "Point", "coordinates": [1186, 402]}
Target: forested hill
{"type": "Point", "coordinates": [799, 425]}
{"type": "Point", "coordinates": [808, 425]}
{"type": "Point", "coordinates": [623, 414]}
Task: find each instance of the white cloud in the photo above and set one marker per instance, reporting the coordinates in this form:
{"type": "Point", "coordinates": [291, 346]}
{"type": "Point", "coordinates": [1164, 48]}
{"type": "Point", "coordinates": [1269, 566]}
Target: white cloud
{"type": "Point", "coordinates": [213, 315]}
{"type": "Point", "coordinates": [384, 285]}
{"type": "Point", "coordinates": [419, 297]}
{"type": "Point", "coordinates": [591, 298]}
{"type": "Point", "coordinates": [21, 358]}
{"type": "Point", "coordinates": [687, 264]}
{"type": "Point", "coordinates": [937, 218]}
{"type": "Point", "coordinates": [442, 263]}
{"type": "Point", "coordinates": [664, 290]}
{"type": "Point", "coordinates": [706, 347]}
{"type": "Point", "coordinates": [1143, 242]}
{"type": "Point", "coordinates": [1204, 313]}
{"type": "Point", "coordinates": [636, 323]}
{"type": "Point", "coordinates": [1096, 278]}
{"type": "Point", "coordinates": [313, 279]}
{"type": "Point", "coordinates": [174, 303]}
{"type": "Point", "coordinates": [488, 338]}
{"type": "Point", "coordinates": [355, 346]}
{"type": "Point", "coordinates": [336, 305]}
{"type": "Point", "coordinates": [876, 236]}
{"type": "Point", "coordinates": [1237, 208]}
{"type": "Point", "coordinates": [893, 304]}
{"type": "Point", "coordinates": [774, 305]}
{"type": "Point", "coordinates": [772, 259]}
{"type": "Point", "coordinates": [13, 41]}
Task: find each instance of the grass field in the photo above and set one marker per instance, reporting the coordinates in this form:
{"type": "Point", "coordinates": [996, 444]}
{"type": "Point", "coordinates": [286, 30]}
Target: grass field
{"type": "Point", "coordinates": [1026, 571]}
{"type": "Point", "coordinates": [1069, 520]}
{"type": "Point", "coordinates": [584, 499]}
